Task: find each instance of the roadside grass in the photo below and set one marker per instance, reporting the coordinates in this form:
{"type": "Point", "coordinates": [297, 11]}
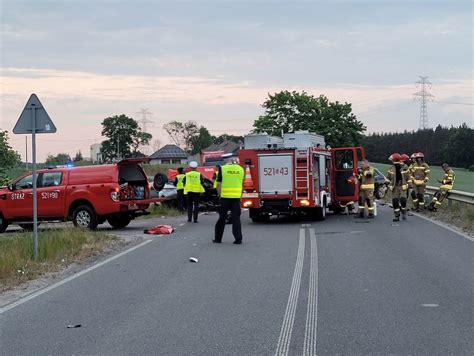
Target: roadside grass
{"type": "Point", "coordinates": [457, 214]}
{"type": "Point", "coordinates": [464, 178]}
{"type": "Point", "coordinates": [159, 209]}
{"type": "Point", "coordinates": [56, 249]}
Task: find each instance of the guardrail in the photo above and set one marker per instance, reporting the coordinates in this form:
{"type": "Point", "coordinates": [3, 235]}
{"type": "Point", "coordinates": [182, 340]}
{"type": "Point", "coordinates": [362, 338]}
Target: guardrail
{"type": "Point", "coordinates": [454, 195]}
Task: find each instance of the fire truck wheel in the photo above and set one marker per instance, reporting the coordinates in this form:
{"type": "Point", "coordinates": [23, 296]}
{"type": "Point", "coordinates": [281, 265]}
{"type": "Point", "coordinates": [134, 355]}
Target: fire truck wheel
{"type": "Point", "coordinates": [3, 224]}
{"type": "Point", "coordinates": [159, 181]}
{"type": "Point", "coordinates": [119, 221]}
{"type": "Point", "coordinates": [321, 212]}
{"type": "Point", "coordinates": [84, 216]}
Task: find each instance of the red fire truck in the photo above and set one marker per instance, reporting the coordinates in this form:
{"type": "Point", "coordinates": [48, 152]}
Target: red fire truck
{"type": "Point", "coordinates": [297, 175]}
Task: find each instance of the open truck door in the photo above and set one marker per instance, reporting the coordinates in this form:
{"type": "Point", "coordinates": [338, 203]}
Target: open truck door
{"type": "Point", "coordinates": [346, 162]}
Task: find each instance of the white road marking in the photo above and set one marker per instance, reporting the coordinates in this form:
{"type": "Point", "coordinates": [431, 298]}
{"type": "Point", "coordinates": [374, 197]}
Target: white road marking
{"type": "Point", "coordinates": [181, 224]}
{"type": "Point", "coordinates": [289, 318]}
{"type": "Point", "coordinates": [68, 279]}
{"type": "Point", "coordinates": [445, 226]}
{"type": "Point", "coordinates": [310, 334]}
{"type": "Point", "coordinates": [430, 305]}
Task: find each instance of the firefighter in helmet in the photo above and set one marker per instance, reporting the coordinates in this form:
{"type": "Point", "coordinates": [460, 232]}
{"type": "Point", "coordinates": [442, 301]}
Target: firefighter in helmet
{"type": "Point", "coordinates": [397, 178]}
{"type": "Point", "coordinates": [443, 191]}
{"type": "Point", "coordinates": [419, 172]}
{"type": "Point", "coordinates": [366, 180]}
{"type": "Point", "coordinates": [407, 162]}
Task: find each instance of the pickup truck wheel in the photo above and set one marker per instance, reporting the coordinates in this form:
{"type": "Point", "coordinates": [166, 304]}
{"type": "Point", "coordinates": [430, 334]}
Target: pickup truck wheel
{"type": "Point", "coordinates": [3, 224]}
{"type": "Point", "coordinates": [380, 191]}
{"type": "Point", "coordinates": [118, 222]}
{"type": "Point", "coordinates": [84, 216]}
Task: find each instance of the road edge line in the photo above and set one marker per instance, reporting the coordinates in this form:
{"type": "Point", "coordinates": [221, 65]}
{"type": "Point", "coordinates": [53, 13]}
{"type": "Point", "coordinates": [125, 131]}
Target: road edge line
{"type": "Point", "coordinates": [68, 279]}
{"type": "Point", "coordinates": [289, 318]}
{"type": "Point", "coordinates": [466, 236]}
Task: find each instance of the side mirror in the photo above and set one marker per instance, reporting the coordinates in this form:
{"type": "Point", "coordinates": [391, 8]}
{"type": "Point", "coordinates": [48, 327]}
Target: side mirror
{"type": "Point", "coordinates": [11, 187]}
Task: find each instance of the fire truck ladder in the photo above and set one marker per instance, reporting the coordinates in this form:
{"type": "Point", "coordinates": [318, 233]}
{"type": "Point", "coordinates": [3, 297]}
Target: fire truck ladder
{"type": "Point", "coordinates": [302, 174]}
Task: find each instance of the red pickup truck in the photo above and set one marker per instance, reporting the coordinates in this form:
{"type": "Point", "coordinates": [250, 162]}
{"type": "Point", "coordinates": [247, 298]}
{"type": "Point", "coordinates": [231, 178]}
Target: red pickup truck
{"type": "Point", "coordinates": [88, 195]}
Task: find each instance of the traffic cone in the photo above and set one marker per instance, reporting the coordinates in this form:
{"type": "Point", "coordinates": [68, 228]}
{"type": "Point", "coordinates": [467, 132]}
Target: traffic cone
{"type": "Point", "coordinates": [248, 182]}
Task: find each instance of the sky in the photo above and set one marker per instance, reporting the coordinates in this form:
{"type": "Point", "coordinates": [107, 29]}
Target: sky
{"type": "Point", "coordinates": [214, 62]}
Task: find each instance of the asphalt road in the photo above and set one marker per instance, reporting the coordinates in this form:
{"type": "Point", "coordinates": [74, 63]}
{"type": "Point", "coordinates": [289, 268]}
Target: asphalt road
{"type": "Point", "coordinates": [334, 287]}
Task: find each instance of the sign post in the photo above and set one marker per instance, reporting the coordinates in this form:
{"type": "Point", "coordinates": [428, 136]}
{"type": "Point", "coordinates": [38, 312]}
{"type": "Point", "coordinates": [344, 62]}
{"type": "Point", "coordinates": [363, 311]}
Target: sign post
{"type": "Point", "coordinates": [34, 119]}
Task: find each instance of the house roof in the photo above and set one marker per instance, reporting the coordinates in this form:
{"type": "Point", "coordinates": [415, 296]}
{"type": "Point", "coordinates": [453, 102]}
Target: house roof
{"type": "Point", "coordinates": [169, 151]}
{"type": "Point", "coordinates": [226, 146]}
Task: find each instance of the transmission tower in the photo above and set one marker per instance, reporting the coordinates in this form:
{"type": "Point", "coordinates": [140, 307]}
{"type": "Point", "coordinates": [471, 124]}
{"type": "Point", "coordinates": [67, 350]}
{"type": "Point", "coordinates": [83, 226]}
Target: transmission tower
{"type": "Point", "coordinates": [144, 120]}
{"type": "Point", "coordinates": [423, 96]}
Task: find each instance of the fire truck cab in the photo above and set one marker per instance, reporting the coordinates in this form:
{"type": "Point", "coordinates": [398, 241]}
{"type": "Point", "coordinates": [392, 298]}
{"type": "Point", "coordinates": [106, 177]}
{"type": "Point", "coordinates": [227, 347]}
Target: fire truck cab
{"type": "Point", "coordinates": [297, 175]}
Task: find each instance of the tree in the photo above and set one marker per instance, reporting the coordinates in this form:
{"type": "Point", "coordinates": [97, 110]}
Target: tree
{"type": "Point", "coordinates": [290, 111]}
{"type": "Point", "coordinates": [9, 158]}
{"type": "Point", "coordinates": [123, 135]}
{"type": "Point", "coordinates": [202, 140]}
{"type": "Point", "coordinates": [182, 133]}
{"type": "Point", "coordinates": [155, 145]}
{"type": "Point", "coordinates": [59, 159]}
{"type": "Point", "coordinates": [226, 137]}
{"type": "Point", "coordinates": [78, 157]}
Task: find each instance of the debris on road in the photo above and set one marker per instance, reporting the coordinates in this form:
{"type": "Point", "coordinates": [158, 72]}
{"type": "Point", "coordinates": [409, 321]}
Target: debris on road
{"type": "Point", "coordinates": [193, 259]}
{"type": "Point", "coordinates": [160, 230]}
{"type": "Point", "coordinates": [74, 326]}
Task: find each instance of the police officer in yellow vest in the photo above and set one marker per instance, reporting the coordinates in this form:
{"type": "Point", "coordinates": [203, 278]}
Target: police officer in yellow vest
{"type": "Point", "coordinates": [446, 185]}
{"type": "Point", "coordinates": [178, 183]}
{"type": "Point", "coordinates": [192, 189]}
{"type": "Point", "coordinates": [230, 180]}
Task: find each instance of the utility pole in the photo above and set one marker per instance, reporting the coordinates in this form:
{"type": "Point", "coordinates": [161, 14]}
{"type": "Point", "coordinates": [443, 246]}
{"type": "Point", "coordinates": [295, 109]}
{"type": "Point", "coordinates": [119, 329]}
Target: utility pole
{"type": "Point", "coordinates": [423, 96]}
{"type": "Point", "coordinates": [26, 151]}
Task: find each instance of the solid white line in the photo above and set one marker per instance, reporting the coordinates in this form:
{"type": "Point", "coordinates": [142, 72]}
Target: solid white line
{"type": "Point", "coordinates": [445, 226]}
{"type": "Point", "coordinates": [289, 318]}
{"type": "Point", "coordinates": [309, 346]}
{"type": "Point", "coordinates": [68, 279]}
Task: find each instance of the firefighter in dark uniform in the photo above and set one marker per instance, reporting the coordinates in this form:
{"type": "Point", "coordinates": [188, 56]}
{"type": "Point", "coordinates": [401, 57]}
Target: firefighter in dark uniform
{"type": "Point", "coordinates": [366, 180]}
{"type": "Point", "coordinates": [193, 188]}
{"type": "Point", "coordinates": [443, 191]}
{"type": "Point", "coordinates": [230, 180]}
{"type": "Point", "coordinates": [178, 183]}
{"type": "Point", "coordinates": [397, 177]}
{"type": "Point", "coordinates": [419, 172]}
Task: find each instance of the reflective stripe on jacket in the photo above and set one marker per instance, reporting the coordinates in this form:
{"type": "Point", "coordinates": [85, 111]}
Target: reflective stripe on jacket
{"type": "Point", "coordinates": [193, 183]}
{"type": "Point", "coordinates": [367, 178]}
{"type": "Point", "coordinates": [419, 173]}
{"type": "Point", "coordinates": [232, 181]}
{"type": "Point", "coordinates": [448, 180]}
{"type": "Point", "coordinates": [392, 177]}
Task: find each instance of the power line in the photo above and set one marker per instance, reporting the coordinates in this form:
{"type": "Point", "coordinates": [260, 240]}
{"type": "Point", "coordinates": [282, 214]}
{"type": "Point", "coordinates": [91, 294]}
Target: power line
{"type": "Point", "coordinates": [452, 102]}
{"type": "Point", "coordinates": [424, 96]}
